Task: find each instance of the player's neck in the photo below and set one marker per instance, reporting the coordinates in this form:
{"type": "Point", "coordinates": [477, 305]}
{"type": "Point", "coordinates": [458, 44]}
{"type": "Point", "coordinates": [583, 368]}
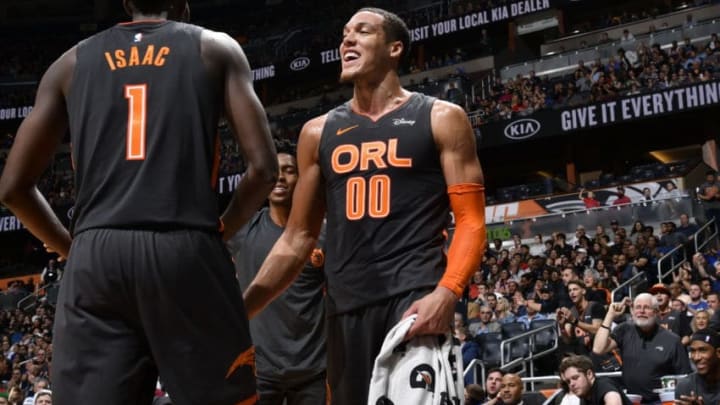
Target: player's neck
{"type": "Point", "coordinates": [279, 214]}
{"type": "Point", "coordinates": [150, 17]}
{"type": "Point", "coordinates": [374, 99]}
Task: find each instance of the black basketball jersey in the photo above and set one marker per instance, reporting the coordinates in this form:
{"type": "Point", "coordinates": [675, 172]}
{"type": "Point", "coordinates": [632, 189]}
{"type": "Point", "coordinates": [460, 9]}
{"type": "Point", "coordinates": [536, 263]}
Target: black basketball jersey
{"type": "Point", "coordinates": [387, 204]}
{"type": "Point", "coordinates": [143, 124]}
{"type": "Point", "coordinates": [289, 334]}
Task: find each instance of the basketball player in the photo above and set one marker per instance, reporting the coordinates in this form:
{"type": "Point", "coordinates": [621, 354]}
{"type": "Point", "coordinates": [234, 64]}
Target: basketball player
{"type": "Point", "coordinates": [385, 167]}
{"type": "Point", "coordinates": [289, 335]}
{"type": "Point", "coordinates": [149, 286]}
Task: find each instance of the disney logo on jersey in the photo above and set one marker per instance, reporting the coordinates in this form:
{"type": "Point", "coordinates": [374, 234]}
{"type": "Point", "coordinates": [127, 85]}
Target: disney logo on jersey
{"type": "Point", "coordinates": [403, 121]}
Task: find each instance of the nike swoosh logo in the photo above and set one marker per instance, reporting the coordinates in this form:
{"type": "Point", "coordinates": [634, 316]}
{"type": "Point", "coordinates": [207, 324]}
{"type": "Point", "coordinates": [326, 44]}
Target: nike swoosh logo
{"type": "Point", "coordinates": [343, 130]}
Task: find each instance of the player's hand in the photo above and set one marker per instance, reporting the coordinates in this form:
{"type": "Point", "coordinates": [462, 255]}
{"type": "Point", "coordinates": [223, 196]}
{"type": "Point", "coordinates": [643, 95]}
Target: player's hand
{"type": "Point", "coordinates": [434, 313]}
{"type": "Point", "coordinates": [691, 399]}
{"type": "Point", "coordinates": [49, 249]}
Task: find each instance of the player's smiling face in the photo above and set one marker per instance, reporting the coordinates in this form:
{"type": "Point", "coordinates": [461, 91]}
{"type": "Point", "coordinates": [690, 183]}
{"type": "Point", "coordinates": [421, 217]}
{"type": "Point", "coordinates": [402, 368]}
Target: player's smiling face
{"type": "Point", "coordinates": [287, 178]}
{"type": "Point", "coordinates": [364, 47]}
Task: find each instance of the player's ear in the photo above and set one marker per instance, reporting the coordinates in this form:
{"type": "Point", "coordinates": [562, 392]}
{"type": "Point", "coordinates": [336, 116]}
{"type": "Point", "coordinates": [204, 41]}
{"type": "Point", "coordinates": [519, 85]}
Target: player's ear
{"type": "Point", "coordinates": [396, 49]}
{"type": "Point", "coordinates": [127, 5]}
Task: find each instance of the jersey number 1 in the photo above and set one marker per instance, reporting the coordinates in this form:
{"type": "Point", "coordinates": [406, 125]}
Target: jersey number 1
{"type": "Point", "coordinates": [136, 95]}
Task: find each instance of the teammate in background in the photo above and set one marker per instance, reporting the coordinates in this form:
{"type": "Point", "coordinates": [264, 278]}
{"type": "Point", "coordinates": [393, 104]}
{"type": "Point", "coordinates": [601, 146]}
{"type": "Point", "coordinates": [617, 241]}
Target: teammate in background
{"type": "Point", "coordinates": [289, 335]}
{"type": "Point", "coordinates": [702, 386]}
{"type": "Point", "coordinates": [386, 167]}
{"type": "Point", "coordinates": [149, 286]}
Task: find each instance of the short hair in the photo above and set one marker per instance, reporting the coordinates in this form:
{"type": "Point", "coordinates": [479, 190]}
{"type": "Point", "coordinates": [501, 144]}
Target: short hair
{"type": "Point", "coordinates": [577, 283]}
{"type": "Point", "coordinates": [653, 301]}
{"type": "Point", "coordinates": [495, 370]}
{"type": "Point", "coordinates": [592, 273]}
{"type": "Point", "coordinates": [581, 363]}
{"type": "Point", "coordinates": [394, 27]}
{"type": "Point", "coordinates": [286, 147]}
{"type": "Point", "coordinates": [475, 392]}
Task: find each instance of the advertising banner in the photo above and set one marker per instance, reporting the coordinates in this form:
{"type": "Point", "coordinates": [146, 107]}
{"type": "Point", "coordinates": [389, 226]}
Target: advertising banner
{"type": "Point", "coordinates": [629, 108]}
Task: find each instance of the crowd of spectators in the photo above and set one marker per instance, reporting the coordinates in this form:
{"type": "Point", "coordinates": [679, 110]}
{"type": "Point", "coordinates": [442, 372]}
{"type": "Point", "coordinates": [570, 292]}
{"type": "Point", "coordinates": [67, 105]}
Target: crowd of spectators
{"type": "Point", "coordinates": [651, 69]}
{"type": "Point", "coordinates": [570, 280]}
{"type": "Point", "coordinates": [25, 346]}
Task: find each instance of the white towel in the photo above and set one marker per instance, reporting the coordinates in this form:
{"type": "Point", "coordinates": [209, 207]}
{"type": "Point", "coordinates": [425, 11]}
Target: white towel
{"type": "Point", "coordinates": [422, 371]}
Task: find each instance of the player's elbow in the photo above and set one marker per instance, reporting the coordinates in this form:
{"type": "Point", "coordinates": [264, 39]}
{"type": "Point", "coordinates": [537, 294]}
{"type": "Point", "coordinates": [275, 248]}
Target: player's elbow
{"type": "Point", "coordinates": [264, 173]}
{"type": "Point", "coordinates": [9, 190]}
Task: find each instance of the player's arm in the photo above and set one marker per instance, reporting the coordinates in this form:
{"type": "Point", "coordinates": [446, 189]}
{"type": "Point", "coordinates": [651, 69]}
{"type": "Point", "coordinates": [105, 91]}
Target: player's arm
{"type": "Point", "coordinates": [456, 144]}
{"type": "Point", "coordinates": [291, 251]}
{"type": "Point", "coordinates": [35, 144]}
{"type": "Point", "coordinates": [612, 398]}
{"type": "Point", "coordinates": [247, 118]}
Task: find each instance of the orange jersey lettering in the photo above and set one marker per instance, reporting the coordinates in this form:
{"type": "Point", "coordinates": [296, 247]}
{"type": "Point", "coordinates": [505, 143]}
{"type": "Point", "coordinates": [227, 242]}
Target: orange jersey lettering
{"type": "Point", "coordinates": [348, 157]}
{"type": "Point", "coordinates": [135, 56]}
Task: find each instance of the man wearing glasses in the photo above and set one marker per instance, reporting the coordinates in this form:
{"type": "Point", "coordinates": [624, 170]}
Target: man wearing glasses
{"type": "Point", "coordinates": [648, 351]}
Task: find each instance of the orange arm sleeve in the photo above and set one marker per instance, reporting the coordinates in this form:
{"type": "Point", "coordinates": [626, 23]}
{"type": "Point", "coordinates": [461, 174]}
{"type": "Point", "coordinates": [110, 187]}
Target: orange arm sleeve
{"type": "Point", "coordinates": [467, 201]}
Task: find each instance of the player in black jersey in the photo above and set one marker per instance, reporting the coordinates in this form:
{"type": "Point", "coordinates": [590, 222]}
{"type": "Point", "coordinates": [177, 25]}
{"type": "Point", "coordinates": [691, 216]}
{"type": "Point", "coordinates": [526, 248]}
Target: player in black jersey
{"type": "Point", "coordinates": [289, 335]}
{"type": "Point", "coordinates": [149, 286]}
{"type": "Point", "coordinates": [385, 167]}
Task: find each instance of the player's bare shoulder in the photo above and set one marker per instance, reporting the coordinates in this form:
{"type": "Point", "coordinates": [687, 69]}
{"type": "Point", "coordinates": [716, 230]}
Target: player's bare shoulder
{"type": "Point", "coordinates": [449, 123]}
{"type": "Point", "coordinates": [444, 112]}
{"type": "Point", "coordinates": [309, 139]}
{"type": "Point", "coordinates": [219, 50]}
{"type": "Point", "coordinates": [314, 127]}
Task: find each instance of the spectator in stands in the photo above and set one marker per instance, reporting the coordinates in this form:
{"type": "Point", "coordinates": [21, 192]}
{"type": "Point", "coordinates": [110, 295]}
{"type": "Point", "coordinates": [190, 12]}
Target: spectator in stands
{"type": "Point", "coordinates": [647, 350]}
{"type": "Point", "coordinates": [493, 382]}
{"type": "Point", "coordinates": [485, 323]}
{"type": "Point", "coordinates": [686, 228]}
{"type": "Point", "coordinates": [708, 193]}
{"type": "Point", "coordinates": [475, 285]}
{"type": "Point", "coordinates": [701, 320]}
{"type": "Point", "coordinates": [604, 38]}
{"type": "Point", "coordinates": [621, 197]}
{"type": "Point", "coordinates": [702, 386]}
{"type": "Point", "coordinates": [579, 324]}
{"type": "Point", "coordinates": [561, 246]}
{"type": "Point", "coordinates": [43, 397]}
{"type": "Point", "coordinates": [15, 395]}
{"type": "Point", "coordinates": [503, 313]}
{"type": "Point", "coordinates": [577, 372]}
{"type": "Point", "coordinates": [579, 234]}
{"type": "Point", "coordinates": [674, 321]}
{"type": "Point", "coordinates": [589, 200]}
{"type": "Point", "coordinates": [39, 385]}
{"type": "Point", "coordinates": [697, 303]}
{"type": "Point", "coordinates": [530, 315]}
{"type": "Point", "coordinates": [671, 238]}
{"type": "Point", "coordinates": [469, 348]}
{"type": "Point", "coordinates": [713, 299]}
{"type": "Point", "coordinates": [545, 303]}
{"type": "Point", "coordinates": [473, 394]}
{"type": "Point", "coordinates": [593, 291]}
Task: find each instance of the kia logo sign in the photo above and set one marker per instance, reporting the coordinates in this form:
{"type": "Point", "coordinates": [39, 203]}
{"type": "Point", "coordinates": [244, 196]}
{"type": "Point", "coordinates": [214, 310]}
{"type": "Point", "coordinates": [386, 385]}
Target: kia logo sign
{"type": "Point", "coordinates": [522, 129]}
{"type": "Point", "coordinates": [300, 63]}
